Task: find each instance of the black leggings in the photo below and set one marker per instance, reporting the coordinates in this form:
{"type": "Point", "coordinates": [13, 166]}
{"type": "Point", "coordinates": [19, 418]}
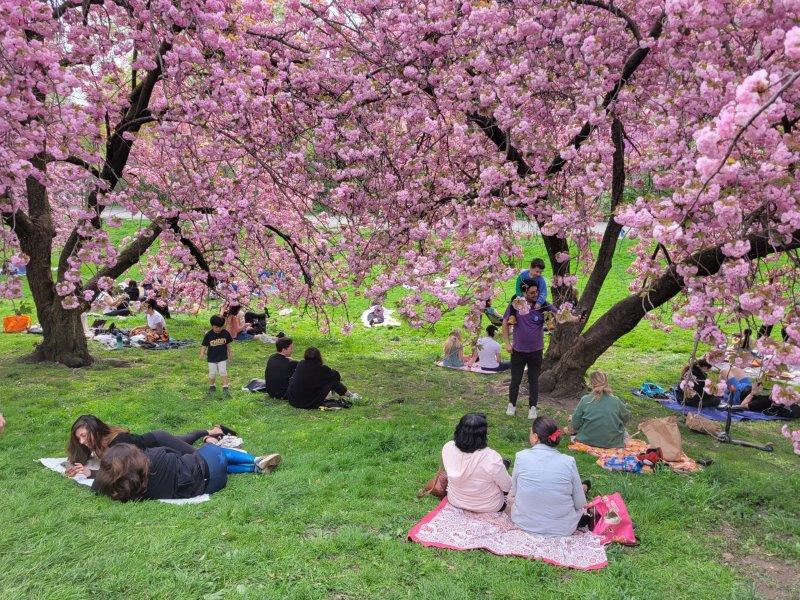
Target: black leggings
{"type": "Point", "coordinates": [519, 360]}
{"type": "Point", "coordinates": [182, 443]}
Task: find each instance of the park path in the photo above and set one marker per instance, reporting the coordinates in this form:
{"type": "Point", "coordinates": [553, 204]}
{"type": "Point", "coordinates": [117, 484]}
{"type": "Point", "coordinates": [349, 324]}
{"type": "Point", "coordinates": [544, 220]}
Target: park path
{"type": "Point", "coordinates": [520, 226]}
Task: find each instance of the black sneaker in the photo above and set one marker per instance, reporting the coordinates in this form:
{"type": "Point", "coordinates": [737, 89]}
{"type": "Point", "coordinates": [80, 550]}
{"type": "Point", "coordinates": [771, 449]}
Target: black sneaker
{"type": "Point", "coordinates": [212, 389]}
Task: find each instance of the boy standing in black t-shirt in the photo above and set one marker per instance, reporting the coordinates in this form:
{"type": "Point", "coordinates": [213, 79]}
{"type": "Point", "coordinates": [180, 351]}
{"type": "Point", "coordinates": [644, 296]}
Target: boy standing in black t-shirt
{"type": "Point", "coordinates": [215, 348]}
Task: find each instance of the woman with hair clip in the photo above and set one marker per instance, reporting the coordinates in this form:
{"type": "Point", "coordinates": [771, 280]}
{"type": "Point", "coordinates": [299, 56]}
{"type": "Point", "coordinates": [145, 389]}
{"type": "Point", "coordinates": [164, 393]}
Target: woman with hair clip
{"type": "Point", "coordinates": [600, 417]}
{"type": "Point", "coordinates": [90, 435]}
{"type": "Point", "coordinates": [128, 473]}
{"type": "Point", "coordinates": [477, 478]}
{"type": "Point", "coordinates": [548, 495]}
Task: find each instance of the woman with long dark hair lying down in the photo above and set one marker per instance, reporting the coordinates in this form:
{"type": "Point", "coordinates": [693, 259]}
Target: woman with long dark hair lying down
{"type": "Point", "coordinates": [90, 435]}
{"type": "Point", "coordinates": [128, 473]}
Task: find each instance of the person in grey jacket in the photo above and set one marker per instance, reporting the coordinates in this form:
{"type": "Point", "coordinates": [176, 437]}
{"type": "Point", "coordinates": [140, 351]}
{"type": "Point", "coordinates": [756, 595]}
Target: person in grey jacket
{"type": "Point", "coordinates": [547, 492]}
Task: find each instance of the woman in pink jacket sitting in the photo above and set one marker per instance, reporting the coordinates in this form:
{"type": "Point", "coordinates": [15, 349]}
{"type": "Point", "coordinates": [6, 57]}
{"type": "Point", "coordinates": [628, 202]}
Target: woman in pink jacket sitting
{"type": "Point", "coordinates": [477, 476]}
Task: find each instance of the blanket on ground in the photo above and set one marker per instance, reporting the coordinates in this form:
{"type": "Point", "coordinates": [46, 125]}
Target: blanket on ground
{"type": "Point", "coordinates": [632, 448]}
{"type": "Point", "coordinates": [54, 464]}
{"type": "Point", "coordinates": [388, 319]}
{"type": "Point", "coordinates": [472, 369]}
{"type": "Point", "coordinates": [109, 341]}
{"type": "Point", "coordinates": [717, 414]}
{"type": "Point", "coordinates": [455, 529]}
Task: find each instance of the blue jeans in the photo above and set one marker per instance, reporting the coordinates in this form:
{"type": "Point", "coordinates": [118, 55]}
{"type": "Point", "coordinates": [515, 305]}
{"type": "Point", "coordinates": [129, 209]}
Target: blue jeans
{"type": "Point", "coordinates": [222, 461]}
{"type": "Point", "coordinates": [243, 336]}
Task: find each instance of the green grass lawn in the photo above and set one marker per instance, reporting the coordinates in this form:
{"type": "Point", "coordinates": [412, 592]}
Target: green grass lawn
{"type": "Point", "coordinates": [331, 522]}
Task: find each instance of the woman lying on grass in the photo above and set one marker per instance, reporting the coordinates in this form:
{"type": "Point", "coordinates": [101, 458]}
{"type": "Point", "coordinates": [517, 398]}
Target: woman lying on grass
{"type": "Point", "coordinates": [128, 473]}
{"type": "Point", "coordinates": [90, 435]}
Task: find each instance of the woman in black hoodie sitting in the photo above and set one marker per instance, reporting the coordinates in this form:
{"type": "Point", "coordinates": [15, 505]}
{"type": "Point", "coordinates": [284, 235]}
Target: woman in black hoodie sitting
{"type": "Point", "coordinates": [312, 382]}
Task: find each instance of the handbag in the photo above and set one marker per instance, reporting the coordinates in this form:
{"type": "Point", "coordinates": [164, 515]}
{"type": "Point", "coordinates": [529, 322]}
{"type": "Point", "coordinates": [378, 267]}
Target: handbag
{"type": "Point", "coordinates": [614, 523]}
{"type": "Point", "coordinates": [664, 433]}
{"type": "Point", "coordinates": [436, 486]}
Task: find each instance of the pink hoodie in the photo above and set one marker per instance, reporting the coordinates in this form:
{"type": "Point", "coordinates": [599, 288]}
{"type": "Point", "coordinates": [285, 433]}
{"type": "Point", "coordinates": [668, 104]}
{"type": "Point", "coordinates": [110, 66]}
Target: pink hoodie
{"type": "Point", "coordinates": [475, 480]}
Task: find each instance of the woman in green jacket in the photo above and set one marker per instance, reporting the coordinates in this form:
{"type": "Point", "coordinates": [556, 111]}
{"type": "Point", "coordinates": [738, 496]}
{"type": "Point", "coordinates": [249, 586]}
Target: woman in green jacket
{"type": "Point", "coordinates": [600, 417]}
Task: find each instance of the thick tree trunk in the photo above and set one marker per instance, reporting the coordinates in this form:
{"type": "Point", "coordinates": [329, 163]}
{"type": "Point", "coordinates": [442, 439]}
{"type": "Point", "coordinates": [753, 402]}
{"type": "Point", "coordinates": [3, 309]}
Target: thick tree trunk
{"type": "Point", "coordinates": [64, 340]}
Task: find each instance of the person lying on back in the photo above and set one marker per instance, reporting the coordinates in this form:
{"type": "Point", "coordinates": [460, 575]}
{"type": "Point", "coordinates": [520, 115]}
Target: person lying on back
{"type": "Point", "coordinates": [600, 417]}
{"type": "Point", "coordinates": [280, 368]}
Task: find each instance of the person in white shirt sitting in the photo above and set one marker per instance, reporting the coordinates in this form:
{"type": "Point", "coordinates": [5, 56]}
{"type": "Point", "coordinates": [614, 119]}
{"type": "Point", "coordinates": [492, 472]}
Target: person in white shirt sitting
{"type": "Point", "coordinates": [156, 329]}
{"type": "Point", "coordinates": [487, 352]}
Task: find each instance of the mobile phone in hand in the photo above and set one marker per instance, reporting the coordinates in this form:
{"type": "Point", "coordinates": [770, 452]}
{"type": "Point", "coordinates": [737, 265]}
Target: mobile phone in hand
{"type": "Point", "coordinates": [67, 465]}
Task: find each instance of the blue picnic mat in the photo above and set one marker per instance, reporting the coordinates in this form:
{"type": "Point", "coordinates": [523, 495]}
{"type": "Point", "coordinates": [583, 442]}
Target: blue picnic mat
{"type": "Point", "coordinates": [716, 414]}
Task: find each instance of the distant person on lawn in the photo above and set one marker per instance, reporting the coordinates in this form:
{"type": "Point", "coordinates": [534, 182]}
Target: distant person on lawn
{"type": "Point", "coordinates": [477, 478]}
{"type": "Point", "coordinates": [156, 328]}
{"type": "Point", "coordinates": [600, 417]}
{"type": "Point", "coordinates": [313, 381]}
{"type": "Point", "coordinates": [132, 290]}
{"type": "Point", "coordinates": [534, 272]}
{"type": "Point", "coordinates": [127, 473]}
{"type": "Point", "coordinates": [454, 350]}
{"type": "Point", "coordinates": [215, 348]}
{"type": "Point", "coordinates": [280, 368]}
{"type": "Point", "coordinates": [91, 436]}
{"type": "Point", "coordinates": [696, 395]}
{"type": "Point", "coordinates": [2, 423]}
{"type": "Point", "coordinates": [487, 352]}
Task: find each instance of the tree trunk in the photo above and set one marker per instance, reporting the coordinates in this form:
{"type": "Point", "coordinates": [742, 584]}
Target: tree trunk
{"type": "Point", "coordinates": [64, 338]}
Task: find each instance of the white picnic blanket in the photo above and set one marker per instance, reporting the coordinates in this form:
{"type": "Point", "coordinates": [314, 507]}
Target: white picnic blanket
{"type": "Point", "coordinates": [388, 319]}
{"type": "Point", "coordinates": [54, 464]}
{"type": "Point", "coordinates": [471, 369]}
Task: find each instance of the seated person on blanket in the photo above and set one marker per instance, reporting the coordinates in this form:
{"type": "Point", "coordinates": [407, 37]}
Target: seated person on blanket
{"type": "Point", "coordinates": [600, 417]}
{"type": "Point", "coordinates": [89, 435]}
{"type": "Point", "coordinates": [487, 352]}
{"type": "Point", "coordinates": [280, 367]}
{"type": "Point", "coordinates": [494, 317]}
{"type": "Point", "coordinates": [376, 316]}
{"type": "Point", "coordinates": [236, 325]}
{"type": "Point", "coordinates": [696, 395]}
{"type": "Point", "coordinates": [132, 290]}
{"type": "Point", "coordinates": [547, 493]}
{"type": "Point", "coordinates": [128, 473]}
{"type": "Point", "coordinates": [757, 401]}
{"type": "Point", "coordinates": [535, 273]}
{"type": "Point", "coordinates": [454, 350]}
{"type": "Point", "coordinates": [313, 381]}
{"type": "Point", "coordinates": [120, 306]}
{"type": "Point", "coordinates": [477, 478]}
{"type": "Point", "coordinates": [156, 329]}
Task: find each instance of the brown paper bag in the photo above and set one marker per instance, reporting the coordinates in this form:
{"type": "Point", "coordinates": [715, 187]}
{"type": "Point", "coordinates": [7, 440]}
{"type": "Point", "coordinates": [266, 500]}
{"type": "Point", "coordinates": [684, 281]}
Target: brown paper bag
{"type": "Point", "coordinates": [702, 425]}
{"type": "Point", "coordinates": [664, 433]}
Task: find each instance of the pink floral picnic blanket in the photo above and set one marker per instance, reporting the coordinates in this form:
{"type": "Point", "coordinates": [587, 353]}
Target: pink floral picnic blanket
{"type": "Point", "coordinates": [455, 529]}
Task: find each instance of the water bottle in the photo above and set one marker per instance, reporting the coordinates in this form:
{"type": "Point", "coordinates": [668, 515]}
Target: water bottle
{"type": "Point", "coordinates": [119, 340]}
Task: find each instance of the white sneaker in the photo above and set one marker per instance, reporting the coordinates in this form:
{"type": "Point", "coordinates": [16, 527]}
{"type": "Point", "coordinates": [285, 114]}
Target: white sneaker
{"type": "Point", "coordinates": [511, 410]}
{"type": "Point", "coordinates": [532, 414]}
{"type": "Point", "coordinates": [267, 464]}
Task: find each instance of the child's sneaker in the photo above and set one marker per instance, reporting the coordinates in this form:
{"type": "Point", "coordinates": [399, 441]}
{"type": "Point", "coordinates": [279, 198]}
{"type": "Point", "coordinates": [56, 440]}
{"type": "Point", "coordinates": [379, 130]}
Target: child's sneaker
{"type": "Point", "coordinates": [532, 413]}
{"type": "Point", "coordinates": [511, 410]}
{"type": "Point", "coordinates": [268, 463]}
{"type": "Point", "coordinates": [212, 389]}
